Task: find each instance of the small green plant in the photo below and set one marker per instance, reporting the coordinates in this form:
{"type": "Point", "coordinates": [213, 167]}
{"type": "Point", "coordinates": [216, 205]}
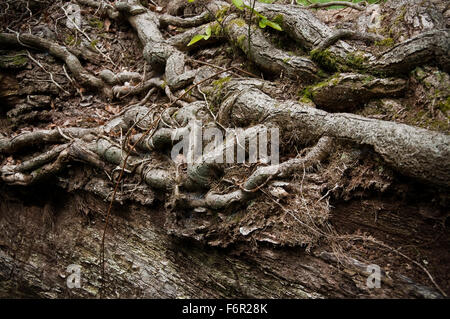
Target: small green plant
{"type": "Point", "coordinates": [199, 37]}
{"type": "Point", "coordinates": [263, 21]}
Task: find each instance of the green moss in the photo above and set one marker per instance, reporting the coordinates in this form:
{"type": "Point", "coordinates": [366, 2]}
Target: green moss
{"type": "Point", "coordinates": [368, 79]}
{"type": "Point", "coordinates": [278, 19]}
{"type": "Point", "coordinates": [96, 23]}
{"type": "Point", "coordinates": [70, 40]}
{"type": "Point", "coordinates": [322, 74]}
{"type": "Point", "coordinates": [222, 12]}
{"type": "Point", "coordinates": [305, 100]}
{"type": "Point", "coordinates": [321, 84]}
{"type": "Point", "coordinates": [401, 17]}
{"type": "Point", "coordinates": [306, 95]}
{"type": "Point", "coordinates": [356, 60]}
{"type": "Point", "coordinates": [240, 40]}
{"type": "Point", "coordinates": [325, 59]}
{"type": "Point", "coordinates": [239, 22]}
{"type": "Point", "coordinates": [445, 106]}
{"type": "Point", "coordinates": [218, 84]}
{"type": "Point", "coordinates": [14, 61]}
{"type": "Point", "coordinates": [19, 60]}
{"type": "Point", "coordinates": [388, 42]}
{"type": "Point", "coordinates": [216, 29]}
{"type": "Point", "coordinates": [94, 44]}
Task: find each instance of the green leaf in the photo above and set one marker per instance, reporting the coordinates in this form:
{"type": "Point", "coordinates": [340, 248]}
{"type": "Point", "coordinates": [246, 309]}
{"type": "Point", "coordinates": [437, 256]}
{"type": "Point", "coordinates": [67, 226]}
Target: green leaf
{"type": "Point", "coordinates": [274, 25]}
{"type": "Point", "coordinates": [207, 33]}
{"type": "Point", "coordinates": [191, 0]}
{"type": "Point", "coordinates": [263, 23]}
{"type": "Point", "coordinates": [238, 4]}
{"type": "Point", "coordinates": [266, 1]}
{"type": "Point", "coordinates": [196, 38]}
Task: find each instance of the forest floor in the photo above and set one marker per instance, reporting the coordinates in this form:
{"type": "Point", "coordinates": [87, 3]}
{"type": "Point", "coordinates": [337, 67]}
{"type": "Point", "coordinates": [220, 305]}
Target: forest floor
{"type": "Point", "coordinates": [372, 204]}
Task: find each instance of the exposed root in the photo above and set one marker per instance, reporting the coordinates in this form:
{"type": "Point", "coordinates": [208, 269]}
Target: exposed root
{"type": "Point", "coordinates": [357, 6]}
{"type": "Point", "coordinates": [350, 35]}
{"type": "Point", "coordinates": [346, 91]}
{"type": "Point", "coordinates": [195, 21]}
{"type": "Point", "coordinates": [74, 65]}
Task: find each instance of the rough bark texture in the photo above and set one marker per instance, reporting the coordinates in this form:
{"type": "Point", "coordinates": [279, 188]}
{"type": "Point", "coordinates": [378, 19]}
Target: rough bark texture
{"type": "Point", "coordinates": [145, 262]}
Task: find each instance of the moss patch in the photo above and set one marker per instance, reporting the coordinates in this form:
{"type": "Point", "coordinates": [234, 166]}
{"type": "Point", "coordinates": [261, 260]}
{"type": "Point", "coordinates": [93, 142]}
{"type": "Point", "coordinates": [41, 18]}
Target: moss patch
{"type": "Point", "coordinates": [240, 40]}
{"type": "Point", "coordinates": [96, 23]}
{"type": "Point", "coordinates": [222, 12]}
{"type": "Point", "coordinates": [356, 60]}
{"type": "Point", "coordinates": [13, 61]}
{"type": "Point", "coordinates": [388, 42]}
{"type": "Point", "coordinates": [239, 22]}
{"type": "Point", "coordinates": [445, 106]}
{"type": "Point", "coordinates": [325, 59]}
{"type": "Point", "coordinates": [218, 84]}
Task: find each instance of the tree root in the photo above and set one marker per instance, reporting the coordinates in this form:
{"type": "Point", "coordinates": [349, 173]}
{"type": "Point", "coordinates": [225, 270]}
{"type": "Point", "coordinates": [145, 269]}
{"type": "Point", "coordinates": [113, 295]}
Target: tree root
{"type": "Point", "coordinates": [260, 178]}
{"type": "Point", "coordinates": [412, 151]}
{"type": "Point", "coordinates": [346, 91]}
{"type": "Point", "coordinates": [350, 35]}
{"type": "Point", "coordinates": [304, 27]}
{"type": "Point", "coordinates": [356, 6]}
{"type": "Point", "coordinates": [37, 138]}
{"type": "Point", "coordinates": [195, 21]}
{"type": "Point", "coordinates": [29, 40]}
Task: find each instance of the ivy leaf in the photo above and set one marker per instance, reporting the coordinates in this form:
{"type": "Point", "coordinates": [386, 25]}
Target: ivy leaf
{"type": "Point", "coordinates": [274, 25]}
{"type": "Point", "coordinates": [263, 23]}
{"type": "Point", "coordinates": [196, 38]}
{"type": "Point", "coordinates": [207, 33]}
{"type": "Point", "coordinates": [238, 4]}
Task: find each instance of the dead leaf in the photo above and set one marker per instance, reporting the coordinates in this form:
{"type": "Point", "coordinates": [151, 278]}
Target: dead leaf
{"type": "Point", "coordinates": [107, 24]}
{"type": "Point", "coordinates": [112, 110]}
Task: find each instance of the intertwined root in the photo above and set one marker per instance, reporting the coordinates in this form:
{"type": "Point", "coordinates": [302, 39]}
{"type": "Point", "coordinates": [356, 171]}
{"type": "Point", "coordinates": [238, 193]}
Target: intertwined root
{"type": "Point", "coordinates": [240, 103]}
